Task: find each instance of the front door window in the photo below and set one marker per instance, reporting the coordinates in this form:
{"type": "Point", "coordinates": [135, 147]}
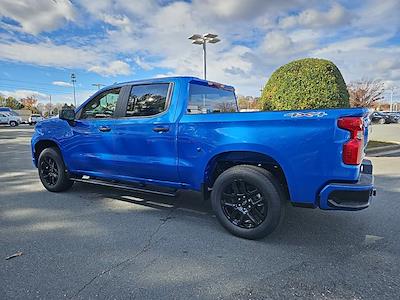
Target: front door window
{"type": "Point", "coordinates": [101, 106]}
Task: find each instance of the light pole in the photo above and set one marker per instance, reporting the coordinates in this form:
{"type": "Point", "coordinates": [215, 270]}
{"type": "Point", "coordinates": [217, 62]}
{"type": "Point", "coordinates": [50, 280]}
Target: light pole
{"type": "Point", "coordinates": [50, 106]}
{"type": "Point", "coordinates": [73, 80]}
{"type": "Point", "coordinates": [199, 39]}
{"type": "Point", "coordinates": [391, 97]}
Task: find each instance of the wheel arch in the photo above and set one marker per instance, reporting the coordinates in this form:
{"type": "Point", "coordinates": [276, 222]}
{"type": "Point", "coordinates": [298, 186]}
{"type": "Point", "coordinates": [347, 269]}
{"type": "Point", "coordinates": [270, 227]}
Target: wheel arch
{"type": "Point", "coordinates": [227, 159]}
{"type": "Point", "coordinates": [43, 144]}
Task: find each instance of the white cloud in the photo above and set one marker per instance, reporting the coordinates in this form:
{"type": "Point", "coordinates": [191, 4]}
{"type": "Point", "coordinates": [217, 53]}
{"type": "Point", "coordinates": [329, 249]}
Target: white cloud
{"type": "Point", "coordinates": [120, 21]}
{"type": "Point", "coordinates": [38, 16]}
{"type": "Point", "coordinates": [351, 44]}
{"type": "Point", "coordinates": [136, 8]}
{"type": "Point", "coordinates": [239, 10]}
{"type": "Point", "coordinates": [337, 15]}
{"type": "Point", "coordinates": [94, 59]}
{"type": "Point", "coordinates": [142, 64]}
{"type": "Point", "coordinates": [378, 17]}
{"type": "Point", "coordinates": [47, 54]}
{"type": "Point", "coordinates": [81, 96]}
{"type": "Point", "coordinates": [277, 42]}
{"type": "Point", "coordinates": [389, 63]}
{"type": "Point", "coordinates": [62, 83]}
{"type": "Point", "coordinates": [18, 94]}
{"type": "Point", "coordinates": [232, 8]}
{"type": "Point", "coordinates": [361, 58]}
{"type": "Point", "coordinates": [114, 68]}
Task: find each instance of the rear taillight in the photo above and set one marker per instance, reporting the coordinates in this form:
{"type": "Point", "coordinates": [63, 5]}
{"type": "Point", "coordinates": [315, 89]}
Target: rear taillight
{"type": "Point", "coordinates": [352, 150]}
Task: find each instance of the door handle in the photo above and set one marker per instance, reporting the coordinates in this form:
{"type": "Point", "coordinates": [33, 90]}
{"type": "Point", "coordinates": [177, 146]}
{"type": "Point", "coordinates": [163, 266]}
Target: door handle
{"type": "Point", "coordinates": [160, 129]}
{"type": "Point", "coordinates": [104, 129]}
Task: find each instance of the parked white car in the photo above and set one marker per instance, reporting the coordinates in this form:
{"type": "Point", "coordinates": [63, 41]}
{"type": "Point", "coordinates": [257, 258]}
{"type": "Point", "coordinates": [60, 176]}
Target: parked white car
{"type": "Point", "coordinates": [9, 119]}
{"type": "Point", "coordinates": [33, 119]}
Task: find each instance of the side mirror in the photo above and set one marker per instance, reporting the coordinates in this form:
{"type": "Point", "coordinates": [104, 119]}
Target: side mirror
{"type": "Point", "coordinates": [67, 114]}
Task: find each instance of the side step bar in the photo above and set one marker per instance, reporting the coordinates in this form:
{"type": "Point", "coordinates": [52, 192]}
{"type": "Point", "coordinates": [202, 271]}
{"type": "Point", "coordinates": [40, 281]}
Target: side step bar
{"type": "Point", "coordinates": [125, 186]}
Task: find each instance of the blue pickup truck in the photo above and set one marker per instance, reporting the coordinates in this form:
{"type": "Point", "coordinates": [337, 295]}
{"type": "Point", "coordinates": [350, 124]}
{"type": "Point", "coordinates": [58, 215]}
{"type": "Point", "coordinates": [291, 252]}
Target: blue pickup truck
{"type": "Point", "coordinates": [167, 134]}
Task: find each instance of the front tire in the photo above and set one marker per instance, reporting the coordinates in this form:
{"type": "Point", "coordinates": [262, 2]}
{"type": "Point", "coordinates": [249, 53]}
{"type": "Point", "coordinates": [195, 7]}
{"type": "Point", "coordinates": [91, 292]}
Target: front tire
{"type": "Point", "coordinates": [248, 202]}
{"type": "Point", "coordinates": [52, 171]}
{"type": "Point", "coordinates": [13, 123]}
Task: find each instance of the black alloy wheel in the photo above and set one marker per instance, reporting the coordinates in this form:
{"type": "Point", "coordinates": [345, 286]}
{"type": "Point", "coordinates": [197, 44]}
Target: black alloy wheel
{"type": "Point", "coordinates": [52, 171]}
{"type": "Point", "coordinates": [49, 171]}
{"type": "Point", "coordinates": [248, 201]}
{"type": "Point", "coordinates": [243, 204]}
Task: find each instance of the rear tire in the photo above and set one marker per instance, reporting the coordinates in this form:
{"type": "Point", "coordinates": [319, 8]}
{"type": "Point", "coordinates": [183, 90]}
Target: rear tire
{"type": "Point", "coordinates": [252, 209]}
{"type": "Point", "coordinates": [282, 194]}
{"type": "Point", "coordinates": [52, 171]}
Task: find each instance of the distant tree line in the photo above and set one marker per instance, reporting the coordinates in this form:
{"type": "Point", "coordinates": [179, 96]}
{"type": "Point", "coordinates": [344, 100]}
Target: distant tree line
{"type": "Point", "coordinates": [248, 102]}
{"type": "Point", "coordinates": [31, 103]}
{"type": "Point", "coordinates": [10, 102]}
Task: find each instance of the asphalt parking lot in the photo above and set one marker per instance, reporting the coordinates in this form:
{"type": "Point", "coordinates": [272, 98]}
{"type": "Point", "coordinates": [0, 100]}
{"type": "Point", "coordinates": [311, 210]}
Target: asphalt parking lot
{"type": "Point", "coordinates": [94, 242]}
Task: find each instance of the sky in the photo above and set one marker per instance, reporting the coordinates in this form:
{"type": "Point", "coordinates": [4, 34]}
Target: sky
{"type": "Point", "coordinates": [108, 41]}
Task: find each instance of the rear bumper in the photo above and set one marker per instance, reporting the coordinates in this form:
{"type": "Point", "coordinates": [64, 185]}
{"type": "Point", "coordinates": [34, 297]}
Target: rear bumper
{"type": "Point", "coordinates": [349, 196]}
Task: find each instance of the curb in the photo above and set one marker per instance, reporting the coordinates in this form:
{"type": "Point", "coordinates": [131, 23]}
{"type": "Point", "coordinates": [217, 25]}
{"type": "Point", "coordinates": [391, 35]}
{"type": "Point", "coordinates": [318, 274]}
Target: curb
{"type": "Point", "coordinates": [382, 149]}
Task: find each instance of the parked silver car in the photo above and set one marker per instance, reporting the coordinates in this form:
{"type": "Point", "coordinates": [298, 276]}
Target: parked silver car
{"type": "Point", "coordinates": [12, 120]}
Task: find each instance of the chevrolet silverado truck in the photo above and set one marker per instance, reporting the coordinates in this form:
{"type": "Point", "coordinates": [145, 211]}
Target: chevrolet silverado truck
{"type": "Point", "coordinates": [168, 134]}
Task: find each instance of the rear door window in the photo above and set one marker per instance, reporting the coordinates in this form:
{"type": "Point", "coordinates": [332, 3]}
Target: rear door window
{"type": "Point", "coordinates": [205, 99]}
{"type": "Point", "coordinates": [147, 100]}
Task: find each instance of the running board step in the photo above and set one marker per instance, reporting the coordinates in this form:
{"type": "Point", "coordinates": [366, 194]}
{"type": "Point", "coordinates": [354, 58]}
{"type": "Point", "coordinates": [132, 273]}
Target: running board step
{"type": "Point", "coordinates": [124, 186]}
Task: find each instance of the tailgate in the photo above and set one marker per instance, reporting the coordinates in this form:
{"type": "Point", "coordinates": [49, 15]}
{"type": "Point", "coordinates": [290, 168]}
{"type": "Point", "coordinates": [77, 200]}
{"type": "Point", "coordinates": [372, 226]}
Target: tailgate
{"type": "Point", "coordinates": [367, 122]}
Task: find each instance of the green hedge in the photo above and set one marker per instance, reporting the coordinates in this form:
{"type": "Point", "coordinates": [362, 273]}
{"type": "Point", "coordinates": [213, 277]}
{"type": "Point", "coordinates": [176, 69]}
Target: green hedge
{"type": "Point", "coordinates": [305, 84]}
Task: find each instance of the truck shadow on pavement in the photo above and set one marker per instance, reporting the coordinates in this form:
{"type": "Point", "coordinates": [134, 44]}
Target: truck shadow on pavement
{"type": "Point", "coordinates": [301, 226]}
{"type": "Point", "coordinates": [189, 201]}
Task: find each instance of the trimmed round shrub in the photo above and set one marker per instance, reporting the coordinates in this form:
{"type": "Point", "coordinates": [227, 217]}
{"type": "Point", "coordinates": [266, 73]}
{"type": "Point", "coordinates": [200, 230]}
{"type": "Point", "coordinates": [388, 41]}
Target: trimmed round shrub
{"type": "Point", "coordinates": [308, 83]}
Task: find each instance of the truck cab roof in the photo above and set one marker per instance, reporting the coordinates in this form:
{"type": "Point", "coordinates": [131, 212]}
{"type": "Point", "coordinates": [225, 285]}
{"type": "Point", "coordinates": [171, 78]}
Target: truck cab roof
{"type": "Point", "coordinates": [173, 79]}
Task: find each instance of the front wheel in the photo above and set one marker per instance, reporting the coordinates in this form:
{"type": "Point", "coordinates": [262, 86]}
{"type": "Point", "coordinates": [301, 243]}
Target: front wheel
{"type": "Point", "coordinates": [52, 171]}
{"type": "Point", "coordinates": [13, 123]}
{"type": "Point", "coordinates": [248, 202]}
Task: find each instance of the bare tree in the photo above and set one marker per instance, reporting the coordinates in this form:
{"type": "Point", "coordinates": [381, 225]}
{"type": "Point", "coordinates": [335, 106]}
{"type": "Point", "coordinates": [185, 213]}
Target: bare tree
{"type": "Point", "coordinates": [365, 92]}
{"type": "Point", "coordinates": [29, 101]}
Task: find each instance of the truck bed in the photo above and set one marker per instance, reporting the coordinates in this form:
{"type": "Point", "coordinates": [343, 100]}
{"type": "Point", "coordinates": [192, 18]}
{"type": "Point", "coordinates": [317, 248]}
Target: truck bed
{"type": "Point", "coordinates": [307, 145]}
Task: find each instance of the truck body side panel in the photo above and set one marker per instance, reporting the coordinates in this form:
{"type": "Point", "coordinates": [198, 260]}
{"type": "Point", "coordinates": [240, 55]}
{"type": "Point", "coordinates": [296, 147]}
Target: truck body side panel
{"type": "Point", "coordinates": [308, 148]}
